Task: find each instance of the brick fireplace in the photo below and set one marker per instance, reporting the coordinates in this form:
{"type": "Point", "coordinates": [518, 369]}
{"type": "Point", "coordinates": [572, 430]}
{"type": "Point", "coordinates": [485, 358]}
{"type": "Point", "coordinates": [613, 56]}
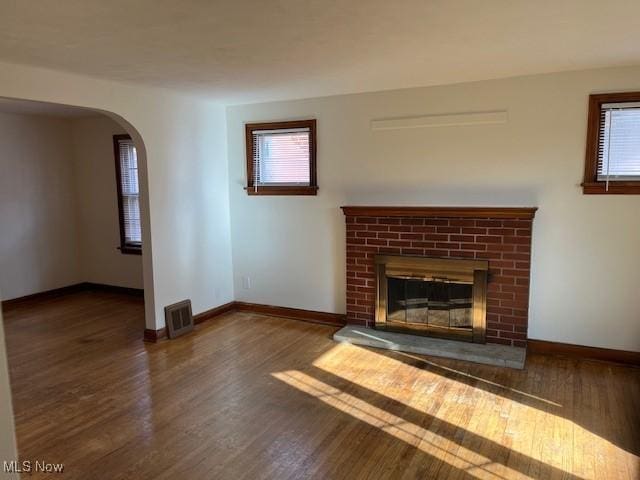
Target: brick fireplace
{"type": "Point", "coordinates": [502, 236]}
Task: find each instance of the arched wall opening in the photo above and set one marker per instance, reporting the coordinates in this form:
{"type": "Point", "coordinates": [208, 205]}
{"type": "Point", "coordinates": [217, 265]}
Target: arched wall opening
{"type": "Point", "coordinates": [77, 114]}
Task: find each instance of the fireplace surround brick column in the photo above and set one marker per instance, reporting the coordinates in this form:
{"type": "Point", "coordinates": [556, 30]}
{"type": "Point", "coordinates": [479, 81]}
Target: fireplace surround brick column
{"type": "Point", "coordinates": [500, 235]}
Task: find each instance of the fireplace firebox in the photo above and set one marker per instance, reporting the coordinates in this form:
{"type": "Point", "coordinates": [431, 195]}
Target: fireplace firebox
{"type": "Point", "coordinates": [440, 297]}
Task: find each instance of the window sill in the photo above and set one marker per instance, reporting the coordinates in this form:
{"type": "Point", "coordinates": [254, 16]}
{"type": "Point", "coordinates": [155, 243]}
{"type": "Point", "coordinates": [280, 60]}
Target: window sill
{"type": "Point", "coordinates": [615, 188]}
{"type": "Point", "coordinates": [130, 250]}
{"type": "Point", "coordinates": [282, 190]}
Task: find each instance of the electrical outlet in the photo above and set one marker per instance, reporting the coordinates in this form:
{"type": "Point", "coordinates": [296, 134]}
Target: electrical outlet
{"type": "Point", "coordinates": [246, 283]}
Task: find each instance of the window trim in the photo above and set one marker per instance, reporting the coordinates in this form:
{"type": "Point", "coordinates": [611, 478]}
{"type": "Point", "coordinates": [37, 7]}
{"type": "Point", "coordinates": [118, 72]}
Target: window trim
{"type": "Point", "coordinates": [125, 248]}
{"type": "Point", "coordinates": [311, 189]}
{"type": "Point", "coordinates": [591, 185]}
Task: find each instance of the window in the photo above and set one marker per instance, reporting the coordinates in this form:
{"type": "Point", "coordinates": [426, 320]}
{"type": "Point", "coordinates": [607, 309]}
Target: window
{"type": "Point", "coordinates": [281, 158]}
{"type": "Point", "coordinates": [128, 194]}
{"type": "Point", "coordinates": [613, 144]}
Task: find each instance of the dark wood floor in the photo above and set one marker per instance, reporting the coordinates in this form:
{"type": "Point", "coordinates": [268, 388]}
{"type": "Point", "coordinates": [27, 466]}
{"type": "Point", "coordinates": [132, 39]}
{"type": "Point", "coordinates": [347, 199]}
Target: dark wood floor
{"type": "Point", "coordinates": [249, 397]}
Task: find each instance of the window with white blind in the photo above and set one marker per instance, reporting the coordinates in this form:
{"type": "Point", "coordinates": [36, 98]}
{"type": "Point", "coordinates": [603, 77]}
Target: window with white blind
{"type": "Point", "coordinates": [128, 194]}
{"type": "Point", "coordinates": [281, 158]}
{"type": "Point", "coordinates": [613, 144]}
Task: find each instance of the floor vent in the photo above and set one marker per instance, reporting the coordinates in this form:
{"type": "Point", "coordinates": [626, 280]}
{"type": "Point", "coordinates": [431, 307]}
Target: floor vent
{"type": "Point", "coordinates": [178, 318]}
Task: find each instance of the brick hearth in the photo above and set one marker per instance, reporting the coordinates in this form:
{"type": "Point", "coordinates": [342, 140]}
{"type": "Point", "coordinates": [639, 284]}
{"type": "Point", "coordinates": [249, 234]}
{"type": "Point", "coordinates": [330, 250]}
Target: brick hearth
{"type": "Point", "coordinates": [500, 235]}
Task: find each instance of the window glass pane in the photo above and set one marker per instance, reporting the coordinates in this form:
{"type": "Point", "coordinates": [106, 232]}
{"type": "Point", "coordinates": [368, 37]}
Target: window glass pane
{"type": "Point", "coordinates": [130, 192]}
{"type": "Point", "coordinates": [131, 207]}
{"type": "Point", "coordinates": [620, 145]}
{"type": "Point", "coordinates": [282, 158]}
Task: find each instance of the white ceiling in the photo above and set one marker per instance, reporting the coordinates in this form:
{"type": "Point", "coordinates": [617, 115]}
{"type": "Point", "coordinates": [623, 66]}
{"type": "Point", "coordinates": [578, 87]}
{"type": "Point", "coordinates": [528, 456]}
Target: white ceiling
{"type": "Point", "coordinates": [254, 50]}
{"type": "Point", "coordinates": [27, 107]}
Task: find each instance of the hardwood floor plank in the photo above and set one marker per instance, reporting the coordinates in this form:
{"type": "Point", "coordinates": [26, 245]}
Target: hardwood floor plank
{"type": "Point", "coordinates": [250, 396]}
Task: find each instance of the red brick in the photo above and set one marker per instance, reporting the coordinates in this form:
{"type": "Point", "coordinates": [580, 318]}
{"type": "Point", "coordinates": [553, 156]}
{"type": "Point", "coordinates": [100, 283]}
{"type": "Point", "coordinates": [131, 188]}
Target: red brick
{"type": "Point", "coordinates": [436, 221]}
{"type": "Point", "coordinates": [375, 241]}
{"type": "Point", "coordinates": [462, 222]}
{"type": "Point", "coordinates": [448, 229]}
{"type": "Point", "coordinates": [437, 253]}
{"type": "Point", "coordinates": [399, 243]}
{"type": "Point", "coordinates": [399, 228]}
{"type": "Point", "coordinates": [501, 296]}
{"type": "Point", "coordinates": [500, 247]}
{"type": "Point", "coordinates": [517, 240]}
{"type": "Point", "coordinates": [412, 221]}
{"type": "Point", "coordinates": [489, 223]}
{"type": "Point", "coordinates": [366, 220]}
{"type": "Point", "coordinates": [513, 335]}
{"type": "Point", "coordinates": [488, 239]}
{"type": "Point", "coordinates": [461, 238]}
{"type": "Point", "coordinates": [448, 245]}
{"type": "Point", "coordinates": [502, 280]}
{"type": "Point", "coordinates": [515, 256]}
{"type": "Point", "coordinates": [474, 231]}
{"type": "Point", "coordinates": [378, 228]}
{"type": "Point", "coordinates": [513, 303]}
{"type": "Point", "coordinates": [436, 237]}
{"type": "Point", "coordinates": [493, 302]}
{"type": "Point", "coordinates": [502, 263]}
{"type": "Point", "coordinates": [515, 273]}
{"type": "Point", "coordinates": [515, 289]}
{"type": "Point", "coordinates": [411, 236]}
{"type": "Point", "coordinates": [501, 231]}
{"type": "Point", "coordinates": [473, 246]}
{"type": "Point", "coordinates": [493, 255]}
{"type": "Point", "coordinates": [517, 223]}
{"type": "Point", "coordinates": [354, 227]}
{"type": "Point", "coordinates": [423, 244]}
{"type": "Point", "coordinates": [389, 236]}
{"type": "Point", "coordinates": [412, 251]}
{"type": "Point", "coordinates": [513, 319]}
{"type": "Point", "coordinates": [502, 312]}
{"type": "Point", "coordinates": [356, 241]}
{"type": "Point", "coordinates": [429, 229]}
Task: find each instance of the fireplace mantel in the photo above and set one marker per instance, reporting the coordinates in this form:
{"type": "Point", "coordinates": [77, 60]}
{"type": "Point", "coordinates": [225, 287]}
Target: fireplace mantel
{"type": "Point", "coordinates": [441, 212]}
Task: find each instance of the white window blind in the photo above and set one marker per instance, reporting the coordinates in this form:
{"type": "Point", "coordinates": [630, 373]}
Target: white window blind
{"type": "Point", "coordinates": [130, 192]}
{"type": "Point", "coordinates": [619, 142]}
{"type": "Point", "coordinates": [281, 157]}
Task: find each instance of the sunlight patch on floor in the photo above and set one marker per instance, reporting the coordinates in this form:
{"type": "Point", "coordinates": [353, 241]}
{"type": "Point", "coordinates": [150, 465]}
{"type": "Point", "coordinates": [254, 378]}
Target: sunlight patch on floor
{"type": "Point", "coordinates": [524, 423]}
{"type": "Point", "coordinates": [438, 446]}
{"type": "Point", "coordinates": [328, 359]}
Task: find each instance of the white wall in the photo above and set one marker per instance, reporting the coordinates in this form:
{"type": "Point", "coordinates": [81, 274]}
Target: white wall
{"type": "Point", "coordinates": [58, 205]}
{"type": "Point", "coordinates": [185, 204]}
{"type": "Point", "coordinates": [586, 261]}
{"type": "Point", "coordinates": [37, 205]}
{"type": "Point", "coordinates": [97, 205]}
{"type": "Point", "coordinates": [184, 184]}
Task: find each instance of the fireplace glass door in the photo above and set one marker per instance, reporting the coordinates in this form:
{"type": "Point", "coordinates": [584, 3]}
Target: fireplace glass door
{"type": "Point", "coordinates": [432, 304]}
